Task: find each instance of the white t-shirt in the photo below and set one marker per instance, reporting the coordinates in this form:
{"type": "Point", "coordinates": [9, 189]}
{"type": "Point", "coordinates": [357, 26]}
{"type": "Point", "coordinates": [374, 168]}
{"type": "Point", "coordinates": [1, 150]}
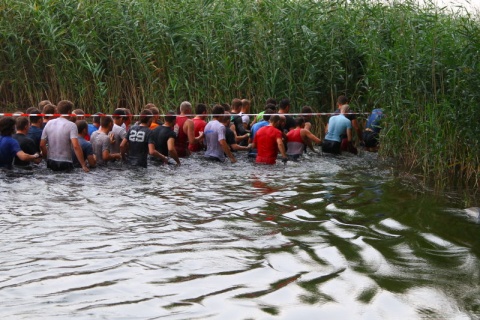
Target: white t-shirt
{"type": "Point", "coordinates": [58, 133]}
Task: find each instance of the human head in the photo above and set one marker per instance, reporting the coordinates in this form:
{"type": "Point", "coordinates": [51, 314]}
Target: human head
{"type": "Point", "coordinates": [82, 125]}
{"type": "Point", "coordinates": [106, 123]}
{"type": "Point", "coordinates": [29, 110]}
{"type": "Point", "coordinates": [170, 118]}
{"type": "Point", "coordinates": [271, 101]}
{"type": "Point", "coordinates": [341, 100]}
{"type": "Point", "coordinates": [43, 103]}
{"type": "Point", "coordinates": [201, 108]}
{"type": "Point", "coordinates": [79, 115]}
{"type": "Point", "coordinates": [245, 105]}
{"type": "Point", "coordinates": [226, 119]}
{"type": "Point", "coordinates": [236, 105]}
{"type": "Point", "coordinates": [218, 111]}
{"type": "Point", "coordinates": [119, 116]}
{"type": "Point", "coordinates": [275, 120]}
{"type": "Point", "coordinates": [185, 107]}
{"type": "Point", "coordinates": [344, 108]}
{"type": "Point", "coordinates": [284, 105]}
{"type": "Point", "coordinates": [96, 118]}
{"type": "Point", "coordinates": [35, 120]}
{"type": "Point", "coordinates": [49, 109]}
{"type": "Point", "coordinates": [7, 126]}
{"type": "Point", "coordinates": [307, 109]}
{"type": "Point", "coordinates": [22, 123]}
{"type": "Point", "coordinates": [65, 107]}
{"type": "Point", "coordinates": [299, 122]}
{"type": "Point", "coordinates": [267, 114]}
{"type": "Point", "coordinates": [226, 107]}
{"type": "Point", "coordinates": [146, 117]}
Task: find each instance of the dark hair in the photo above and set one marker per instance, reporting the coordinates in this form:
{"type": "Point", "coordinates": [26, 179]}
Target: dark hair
{"type": "Point", "coordinates": [271, 106]}
{"type": "Point", "coordinates": [105, 121]}
{"type": "Point", "coordinates": [170, 116]}
{"type": "Point", "coordinates": [218, 110]}
{"type": "Point", "coordinates": [29, 110]}
{"type": "Point", "coordinates": [200, 108]}
{"type": "Point", "coordinates": [78, 112]}
{"type": "Point", "coordinates": [299, 121]}
{"type": "Point", "coordinates": [341, 100]}
{"type": "Point", "coordinates": [284, 103]}
{"type": "Point", "coordinates": [307, 109]}
{"type": "Point", "coordinates": [271, 101]}
{"type": "Point", "coordinates": [81, 125]}
{"type": "Point", "coordinates": [145, 116]}
{"type": "Point", "coordinates": [22, 123]}
{"type": "Point", "coordinates": [97, 116]}
{"type": "Point", "coordinates": [275, 118]}
{"type": "Point", "coordinates": [226, 107]}
{"type": "Point", "coordinates": [65, 107]}
{"type": "Point", "coordinates": [7, 126]}
{"type": "Point", "coordinates": [35, 119]}
{"type": "Point", "coordinates": [267, 114]}
{"type": "Point", "coordinates": [119, 113]}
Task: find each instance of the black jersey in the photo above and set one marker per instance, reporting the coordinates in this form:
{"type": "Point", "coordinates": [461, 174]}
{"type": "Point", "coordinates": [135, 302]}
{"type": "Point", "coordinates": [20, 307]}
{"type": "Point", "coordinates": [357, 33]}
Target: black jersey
{"type": "Point", "coordinates": [138, 137]}
{"type": "Point", "coordinates": [159, 137]}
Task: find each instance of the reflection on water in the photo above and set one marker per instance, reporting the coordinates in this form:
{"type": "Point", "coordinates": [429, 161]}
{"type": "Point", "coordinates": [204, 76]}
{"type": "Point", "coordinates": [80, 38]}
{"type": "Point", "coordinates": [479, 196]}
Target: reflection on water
{"type": "Point", "coordinates": [331, 238]}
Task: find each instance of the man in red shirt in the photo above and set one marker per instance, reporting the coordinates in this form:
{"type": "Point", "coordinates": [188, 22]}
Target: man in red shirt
{"type": "Point", "coordinates": [268, 141]}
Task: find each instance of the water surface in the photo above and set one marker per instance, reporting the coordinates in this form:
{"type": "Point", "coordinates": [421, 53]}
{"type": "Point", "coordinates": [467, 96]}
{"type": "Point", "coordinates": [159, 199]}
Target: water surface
{"type": "Point", "coordinates": [328, 237]}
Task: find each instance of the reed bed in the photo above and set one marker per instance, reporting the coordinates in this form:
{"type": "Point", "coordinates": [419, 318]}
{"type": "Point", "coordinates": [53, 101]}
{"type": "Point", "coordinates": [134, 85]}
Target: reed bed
{"type": "Point", "coordinates": [420, 63]}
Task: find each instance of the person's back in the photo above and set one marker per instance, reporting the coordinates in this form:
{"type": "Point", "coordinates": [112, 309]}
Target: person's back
{"type": "Point", "coordinates": [295, 144]}
{"type": "Point", "coordinates": [214, 132]}
{"type": "Point", "coordinates": [198, 127]}
{"type": "Point", "coordinates": [337, 128]}
{"type": "Point", "coordinates": [136, 141]}
{"type": "Point", "coordinates": [159, 137]}
{"type": "Point", "coordinates": [100, 142]}
{"type": "Point", "coordinates": [59, 131]}
{"type": "Point", "coordinates": [27, 145]}
{"type": "Point", "coordinates": [373, 121]}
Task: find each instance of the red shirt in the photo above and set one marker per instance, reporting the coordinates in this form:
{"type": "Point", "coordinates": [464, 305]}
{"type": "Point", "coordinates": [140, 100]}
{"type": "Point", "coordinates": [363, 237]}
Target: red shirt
{"type": "Point", "coordinates": [266, 142]}
{"type": "Point", "coordinates": [198, 126]}
{"type": "Point", "coordinates": [181, 143]}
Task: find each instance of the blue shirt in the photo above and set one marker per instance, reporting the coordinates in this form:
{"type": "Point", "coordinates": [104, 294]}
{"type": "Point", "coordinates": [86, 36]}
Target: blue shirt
{"type": "Point", "coordinates": [91, 129]}
{"type": "Point", "coordinates": [9, 147]}
{"type": "Point", "coordinates": [257, 126]}
{"type": "Point", "coordinates": [337, 128]}
{"type": "Point", "coordinates": [373, 121]}
{"type": "Point", "coordinates": [35, 133]}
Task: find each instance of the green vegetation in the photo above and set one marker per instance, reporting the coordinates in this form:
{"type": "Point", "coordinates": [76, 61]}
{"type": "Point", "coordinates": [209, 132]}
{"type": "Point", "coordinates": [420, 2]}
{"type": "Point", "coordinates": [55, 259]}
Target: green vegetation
{"type": "Point", "coordinates": [421, 64]}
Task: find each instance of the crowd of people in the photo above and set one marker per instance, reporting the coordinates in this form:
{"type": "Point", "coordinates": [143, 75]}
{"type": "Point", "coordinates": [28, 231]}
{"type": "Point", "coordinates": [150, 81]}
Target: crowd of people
{"type": "Point", "coordinates": [68, 141]}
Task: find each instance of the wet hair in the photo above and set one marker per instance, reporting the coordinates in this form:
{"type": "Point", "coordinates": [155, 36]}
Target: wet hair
{"type": "Point", "coordinates": [81, 125]}
{"type": "Point", "coordinates": [185, 106]}
{"type": "Point", "coordinates": [105, 121]}
{"type": "Point", "coordinates": [170, 116]}
{"type": "Point", "coordinates": [236, 104]}
{"type": "Point", "coordinates": [154, 110]}
{"type": "Point", "coordinates": [284, 103]}
{"type": "Point", "coordinates": [149, 106]}
{"type": "Point", "coordinates": [341, 100]}
{"type": "Point", "coordinates": [97, 116]}
{"type": "Point", "coordinates": [200, 108]}
{"type": "Point", "coordinates": [299, 121]}
{"type": "Point", "coordinates": [145, 116]}
{"type": "Point", "coordinates": [65, 107]}
{"type": "Point", "coordinates": [22, 123]}
{"type": "Point", "coordinates": [218, 110]}
{"type": "Point", "coordinates": [271, 106]}
{"type": "Point", "coordinates": [7, 126]}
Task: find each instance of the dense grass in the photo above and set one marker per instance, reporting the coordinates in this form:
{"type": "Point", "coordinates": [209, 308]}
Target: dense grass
{"type": "Point", "coordinates": [420, 63]}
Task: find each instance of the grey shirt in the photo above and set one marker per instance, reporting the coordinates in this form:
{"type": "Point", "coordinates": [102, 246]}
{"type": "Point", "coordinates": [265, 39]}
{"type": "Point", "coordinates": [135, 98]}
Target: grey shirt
{"type": "Point", "coordinates": [58, 134]}
{"type": "Point", "coordinates": [214, 132]}
{"type": "Point", "coordinates": [100, 142]}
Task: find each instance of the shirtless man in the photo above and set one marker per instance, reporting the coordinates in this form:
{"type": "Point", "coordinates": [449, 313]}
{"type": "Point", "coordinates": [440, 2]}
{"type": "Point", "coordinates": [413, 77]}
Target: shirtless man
{"type": "Point", "coordinates": [61, 135]}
